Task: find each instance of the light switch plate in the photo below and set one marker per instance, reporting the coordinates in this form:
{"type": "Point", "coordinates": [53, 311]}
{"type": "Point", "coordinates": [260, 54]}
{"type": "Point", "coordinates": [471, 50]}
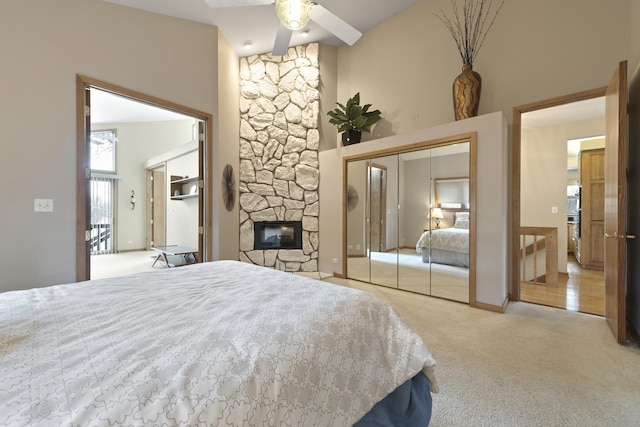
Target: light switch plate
{"type": "Point", "coordinates": [43, 205]}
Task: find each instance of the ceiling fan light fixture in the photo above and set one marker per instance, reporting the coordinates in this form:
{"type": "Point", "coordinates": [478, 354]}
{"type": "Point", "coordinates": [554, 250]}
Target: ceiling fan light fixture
{"type": "Point", "coordinates": [293, 14]}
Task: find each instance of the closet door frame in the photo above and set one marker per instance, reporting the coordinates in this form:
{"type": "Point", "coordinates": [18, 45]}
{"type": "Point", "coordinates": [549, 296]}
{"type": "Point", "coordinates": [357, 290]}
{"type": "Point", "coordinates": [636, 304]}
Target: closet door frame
{"type": "Point", "coordinates": [471, 138]}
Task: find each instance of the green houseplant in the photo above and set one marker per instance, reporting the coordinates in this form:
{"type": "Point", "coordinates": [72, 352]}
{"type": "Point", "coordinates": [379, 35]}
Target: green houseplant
{"type": "Point", "coordinates": [352, 119]}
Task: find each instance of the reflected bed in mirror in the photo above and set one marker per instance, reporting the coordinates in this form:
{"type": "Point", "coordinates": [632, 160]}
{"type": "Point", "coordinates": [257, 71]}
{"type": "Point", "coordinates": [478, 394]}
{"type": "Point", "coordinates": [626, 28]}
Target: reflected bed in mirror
{"type": "Point", "coordinates": [447, 246]}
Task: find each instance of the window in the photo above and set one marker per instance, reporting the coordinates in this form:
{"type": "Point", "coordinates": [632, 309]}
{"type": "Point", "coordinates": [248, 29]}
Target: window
{"type": "Point", "coordinates": [452, 193]}
{"type": "Point", "coordinates": [103, 151]}
{"type": "Point", "coordinates": [103, 191]}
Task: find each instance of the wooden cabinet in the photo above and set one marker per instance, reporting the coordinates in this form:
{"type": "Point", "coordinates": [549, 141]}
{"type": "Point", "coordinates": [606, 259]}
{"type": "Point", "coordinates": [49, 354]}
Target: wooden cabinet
{"type": "Point", "coordinates": [591, 248]}
{"type": "Point", "coordinates": [183, 187]}
{"type": "Point", "coordinates": [572, 239]}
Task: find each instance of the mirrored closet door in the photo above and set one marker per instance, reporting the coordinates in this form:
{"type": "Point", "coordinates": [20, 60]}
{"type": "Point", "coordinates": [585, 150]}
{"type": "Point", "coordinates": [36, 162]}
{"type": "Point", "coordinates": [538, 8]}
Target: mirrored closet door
{"type": "Point", "coordinates": [408, 220]}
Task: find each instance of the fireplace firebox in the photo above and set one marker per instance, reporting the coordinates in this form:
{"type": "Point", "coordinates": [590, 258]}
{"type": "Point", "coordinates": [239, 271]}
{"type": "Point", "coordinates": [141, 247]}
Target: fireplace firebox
{"type": "Point", "coordinates": [277, 235]}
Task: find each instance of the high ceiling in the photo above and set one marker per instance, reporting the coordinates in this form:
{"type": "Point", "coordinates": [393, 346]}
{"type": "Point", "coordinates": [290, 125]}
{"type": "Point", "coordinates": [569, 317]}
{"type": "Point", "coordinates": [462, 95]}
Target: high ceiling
{"type": "Point", "coordinates": [259, 24]}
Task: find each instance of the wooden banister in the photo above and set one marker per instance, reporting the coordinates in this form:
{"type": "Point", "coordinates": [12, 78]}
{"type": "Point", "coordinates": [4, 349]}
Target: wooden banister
{"type": "Point", "coordinates": [548, 242]}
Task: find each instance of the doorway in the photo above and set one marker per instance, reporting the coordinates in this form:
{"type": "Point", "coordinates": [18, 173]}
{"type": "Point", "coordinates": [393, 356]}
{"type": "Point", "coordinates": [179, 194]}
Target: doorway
{"type": "Point", "coordinates": [561, 190]}
{"type": "Point", "coordinates": [203, 146]}
{"type": "Point", "coordinates": [156, 207]}
{"type": "Point", "coordinates": [378, 205]}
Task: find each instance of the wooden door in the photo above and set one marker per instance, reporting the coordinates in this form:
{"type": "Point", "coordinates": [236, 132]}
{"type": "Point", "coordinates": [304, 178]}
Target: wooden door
{"type": "Point", "coordinates": [201, 193]}
{"type": "Point", "coordinates": [592, 209]}
{"type": "Point", "coordinates": [633, 212]}
{"type": "Point", "coordinates": [616, 202]}
{"type": "Point", "coordinates": [83, 181]}
{"type": "Point", "coordinates": [378, 209]}
{"type": "Point", "coordinates": [156, 208]}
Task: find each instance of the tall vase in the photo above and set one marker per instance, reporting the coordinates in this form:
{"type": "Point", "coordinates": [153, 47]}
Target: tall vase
{"type": "Point", "coordinates": [466, 93]}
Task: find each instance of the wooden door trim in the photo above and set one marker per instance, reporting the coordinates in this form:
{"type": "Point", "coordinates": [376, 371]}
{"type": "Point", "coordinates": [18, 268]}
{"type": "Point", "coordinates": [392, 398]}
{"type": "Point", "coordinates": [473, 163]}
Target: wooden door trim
{"type": "Point", "coordinates": [516, 170]}
{"type": "Point", "coordinates": [84, 83]}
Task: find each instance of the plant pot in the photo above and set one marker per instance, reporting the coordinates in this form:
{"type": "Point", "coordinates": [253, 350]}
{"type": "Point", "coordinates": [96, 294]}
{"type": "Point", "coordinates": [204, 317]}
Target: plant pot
{"type": "Point", "coordinates": [466, 93]}
{"type": "Point", "coordinates": [351, 137]}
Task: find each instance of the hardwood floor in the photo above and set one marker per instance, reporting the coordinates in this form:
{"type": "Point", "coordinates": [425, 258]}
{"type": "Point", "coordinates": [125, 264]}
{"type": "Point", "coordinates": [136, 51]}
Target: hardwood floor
{"type": "Point", "coordinates": [581, 290]}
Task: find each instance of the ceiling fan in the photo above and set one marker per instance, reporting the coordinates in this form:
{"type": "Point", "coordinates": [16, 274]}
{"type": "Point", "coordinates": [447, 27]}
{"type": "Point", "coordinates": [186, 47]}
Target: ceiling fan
{"type": "Point", "coordinates": [294, 15]}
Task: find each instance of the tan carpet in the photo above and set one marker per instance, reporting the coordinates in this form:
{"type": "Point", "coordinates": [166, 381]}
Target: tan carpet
{"type": "Point", "coordinates": [532, 366]}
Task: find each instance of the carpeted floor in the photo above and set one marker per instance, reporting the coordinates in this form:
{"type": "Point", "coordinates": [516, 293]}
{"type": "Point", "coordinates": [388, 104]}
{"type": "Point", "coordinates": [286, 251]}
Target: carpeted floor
{"type": "Point", "coordinates": [532, 366]}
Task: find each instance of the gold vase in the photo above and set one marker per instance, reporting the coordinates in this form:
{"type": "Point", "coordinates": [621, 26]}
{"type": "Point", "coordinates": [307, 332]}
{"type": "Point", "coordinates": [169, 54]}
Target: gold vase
{"type": "Point", "coordinates": [466, 93]}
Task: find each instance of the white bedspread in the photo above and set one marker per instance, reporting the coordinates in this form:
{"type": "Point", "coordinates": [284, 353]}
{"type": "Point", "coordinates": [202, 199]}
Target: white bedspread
{"type": "Point", "coordinates": [446, 239]}
{"type": "Point", "coordinates": [222, 343]}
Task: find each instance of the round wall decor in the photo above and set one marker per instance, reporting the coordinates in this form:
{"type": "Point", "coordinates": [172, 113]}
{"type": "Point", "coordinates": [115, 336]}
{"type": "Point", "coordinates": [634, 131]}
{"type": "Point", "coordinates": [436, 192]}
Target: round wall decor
{"type": "Point", "coordinates": [228, 188]}
{"type": "Point", "coordinates": [352, 197]}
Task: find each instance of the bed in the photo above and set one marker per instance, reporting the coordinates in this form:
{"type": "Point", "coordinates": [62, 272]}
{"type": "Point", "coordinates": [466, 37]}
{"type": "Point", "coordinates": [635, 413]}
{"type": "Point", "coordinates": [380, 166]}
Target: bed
{"type": "Point", "coordinates": [448, 245]}
{"type": "Point", "coordinates": [222, 343]}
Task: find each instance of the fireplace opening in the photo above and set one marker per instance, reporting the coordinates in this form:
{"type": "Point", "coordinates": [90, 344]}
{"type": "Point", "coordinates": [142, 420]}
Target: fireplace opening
{"type": "Point", "coordinates": [277, 235]}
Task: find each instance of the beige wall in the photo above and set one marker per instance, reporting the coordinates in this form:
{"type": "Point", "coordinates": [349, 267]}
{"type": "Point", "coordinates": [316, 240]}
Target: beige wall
{"type": "Point", "coordinates": [44, 44]}
{"type": "Point", "coordinates": [328, 63]}
{"type": "Point", "coordinates": [633, 25]}
{"type": "Point", "coordinates": [226, 227]}
{"type": "Point", "coordinates": [536, 50]}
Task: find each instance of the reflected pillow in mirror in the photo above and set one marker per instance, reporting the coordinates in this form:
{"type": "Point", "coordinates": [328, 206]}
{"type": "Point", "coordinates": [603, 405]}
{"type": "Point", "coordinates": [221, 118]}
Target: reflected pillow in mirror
{"type": "Point", "coordinates": [461, 223]}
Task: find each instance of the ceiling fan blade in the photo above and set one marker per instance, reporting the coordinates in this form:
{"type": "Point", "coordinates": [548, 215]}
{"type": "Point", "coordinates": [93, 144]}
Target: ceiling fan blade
{"type": "Point", "coordinates": [283, 38]}
{"type": "Point", "coordinates": [236, 3]}
{"type": "Point", "coordinates": [334, 25]}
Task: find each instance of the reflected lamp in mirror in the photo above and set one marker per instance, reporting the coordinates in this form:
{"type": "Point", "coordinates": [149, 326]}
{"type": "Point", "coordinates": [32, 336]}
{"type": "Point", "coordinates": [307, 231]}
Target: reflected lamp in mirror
{"type": "Point", "coordinates": [436, 214]}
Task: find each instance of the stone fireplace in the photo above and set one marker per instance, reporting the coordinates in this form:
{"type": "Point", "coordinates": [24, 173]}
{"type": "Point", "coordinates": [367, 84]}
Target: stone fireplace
{"type": "Point", "coordinates": [279, 169]}
{"type": "Point", "coordinates": [277, 235]}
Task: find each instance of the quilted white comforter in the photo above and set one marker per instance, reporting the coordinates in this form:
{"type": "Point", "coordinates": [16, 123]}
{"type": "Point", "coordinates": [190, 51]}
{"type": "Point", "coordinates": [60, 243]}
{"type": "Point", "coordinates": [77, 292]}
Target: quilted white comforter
{"type": "Point", "coordinates": [447, 239]}
{"type": "Point", "coordinates": [222, 343]}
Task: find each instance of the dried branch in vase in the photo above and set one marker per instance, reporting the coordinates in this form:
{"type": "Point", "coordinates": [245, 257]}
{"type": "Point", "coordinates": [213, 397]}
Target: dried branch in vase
{"type": "Point", "coordinates": [469, 26]}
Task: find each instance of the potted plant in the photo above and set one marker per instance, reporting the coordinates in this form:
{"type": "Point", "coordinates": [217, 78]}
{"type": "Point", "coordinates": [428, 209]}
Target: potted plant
{"type": "Point", "coordinates": [352, 119]}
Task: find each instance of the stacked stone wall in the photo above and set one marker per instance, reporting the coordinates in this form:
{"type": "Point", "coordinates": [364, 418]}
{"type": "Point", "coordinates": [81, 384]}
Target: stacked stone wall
{"type": "Point", "coordinates": [279, 140]}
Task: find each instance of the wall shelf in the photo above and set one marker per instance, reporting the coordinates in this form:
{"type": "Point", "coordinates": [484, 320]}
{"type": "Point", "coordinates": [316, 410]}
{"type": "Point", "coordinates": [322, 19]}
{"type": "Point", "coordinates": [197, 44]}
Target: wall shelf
{"type": "Point", "coordinates": [184, 187]}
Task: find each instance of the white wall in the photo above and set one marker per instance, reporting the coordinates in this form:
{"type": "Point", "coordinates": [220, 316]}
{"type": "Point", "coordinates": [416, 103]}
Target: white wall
{"type": "Point", "coordinates": [182, 215]}
{"type": "Point", "coordinates": [492, 262]}
{"type": "Point", "coordinates": [47, 44]}
{"type": "Point", "coordinates": [137, 143]}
